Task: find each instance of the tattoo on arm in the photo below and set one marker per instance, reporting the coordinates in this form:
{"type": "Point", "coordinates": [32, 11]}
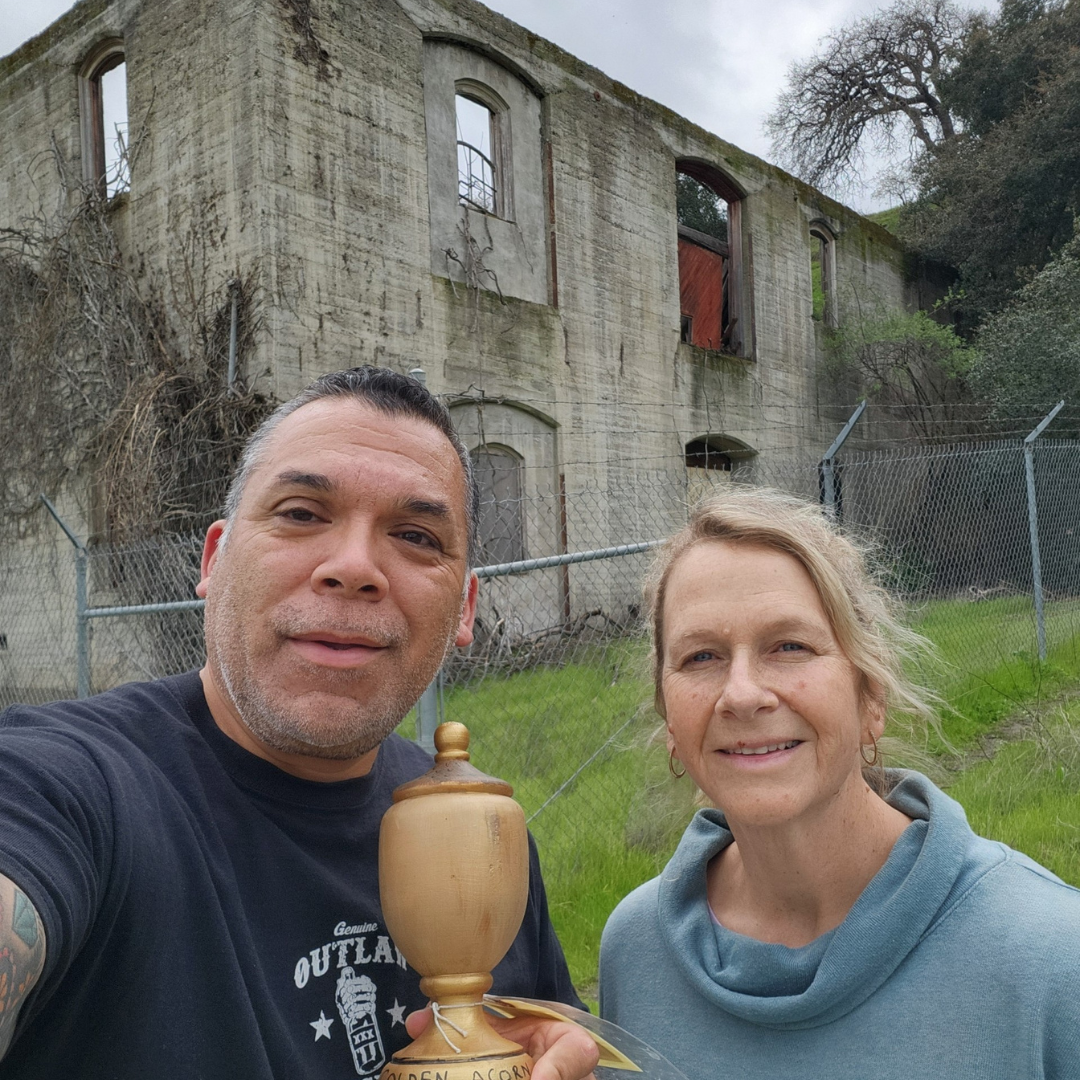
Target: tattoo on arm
{"type": "Point", "coordinates": [22, 955]}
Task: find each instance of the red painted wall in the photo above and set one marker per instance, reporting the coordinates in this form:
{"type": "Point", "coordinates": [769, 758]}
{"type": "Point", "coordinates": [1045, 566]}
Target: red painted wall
{"type": "Point", "coordinates": [701, 293]}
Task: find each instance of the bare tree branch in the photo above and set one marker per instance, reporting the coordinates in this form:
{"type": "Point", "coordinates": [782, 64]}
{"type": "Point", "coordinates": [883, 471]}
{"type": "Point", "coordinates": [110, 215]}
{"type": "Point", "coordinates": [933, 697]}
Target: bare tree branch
{"type": "Point", "coordinates": [881, 73]}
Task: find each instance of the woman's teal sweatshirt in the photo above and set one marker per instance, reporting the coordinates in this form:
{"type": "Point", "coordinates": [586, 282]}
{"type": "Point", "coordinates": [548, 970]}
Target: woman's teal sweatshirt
{"type": "Point", "coordinates": [960, 960]}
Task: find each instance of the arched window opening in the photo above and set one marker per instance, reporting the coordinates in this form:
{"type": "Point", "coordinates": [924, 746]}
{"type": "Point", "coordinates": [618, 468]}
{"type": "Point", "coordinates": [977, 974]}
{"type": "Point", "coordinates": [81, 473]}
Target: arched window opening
{"type": "Point", "coordinates": [483, 148]}
{"type": "Point", "coordinates": [487, 185]}
{"type": "Point", "coordinates": [710, 259]}
{"type": "Point", "coordinates": [822, 275]}
{"type": "Point", "coordinates": [104, 120]}
{"type": "Point", "coordinates": [502, 518]}
{"type": "Point", "coordinates": [701, 455]}
{"type": "Point", "coordinates": [711, 461]}
{"type": "Point", "coordinates": [476, 168]}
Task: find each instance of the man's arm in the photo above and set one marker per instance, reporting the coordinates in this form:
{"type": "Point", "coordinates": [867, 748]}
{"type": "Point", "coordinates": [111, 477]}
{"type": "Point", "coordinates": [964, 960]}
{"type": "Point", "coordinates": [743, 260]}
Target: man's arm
{"type": "Point", "coordinates": [22, 955]}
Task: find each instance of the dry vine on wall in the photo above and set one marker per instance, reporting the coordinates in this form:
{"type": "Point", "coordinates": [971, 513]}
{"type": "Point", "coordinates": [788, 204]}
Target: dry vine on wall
{"type": "Point", "coordinates": [106, 396]}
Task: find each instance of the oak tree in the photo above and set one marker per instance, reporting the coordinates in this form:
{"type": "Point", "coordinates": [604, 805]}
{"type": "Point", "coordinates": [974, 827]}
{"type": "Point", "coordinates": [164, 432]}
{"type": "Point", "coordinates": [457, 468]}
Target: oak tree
{"type": "Point", "coordinates": [1029, 352]}
{"type": "Point", "coordinates": [870, 84]}
{"type": "Point", "coordinates": [1000, 199]}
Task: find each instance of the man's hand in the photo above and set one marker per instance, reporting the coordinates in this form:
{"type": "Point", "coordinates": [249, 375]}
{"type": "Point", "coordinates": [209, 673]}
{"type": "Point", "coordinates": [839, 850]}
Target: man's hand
{"type": "Point", "coordinates": [22, 955]}
{"type": "Point", "coordinates": [559, 1050]}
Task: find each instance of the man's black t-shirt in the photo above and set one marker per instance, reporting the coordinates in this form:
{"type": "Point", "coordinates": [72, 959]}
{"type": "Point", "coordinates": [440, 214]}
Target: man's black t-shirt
{"type": "Point", "coordinates": [208, 916]}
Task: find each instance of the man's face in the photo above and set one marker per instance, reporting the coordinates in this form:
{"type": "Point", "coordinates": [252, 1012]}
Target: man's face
{"type": "Point", "coordinates": [342, 581]}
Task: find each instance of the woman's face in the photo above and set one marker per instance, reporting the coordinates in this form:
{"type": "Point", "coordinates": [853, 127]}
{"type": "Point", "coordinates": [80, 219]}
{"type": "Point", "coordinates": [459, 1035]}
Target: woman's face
{"type": "Point", "coordinates": [763, 707]}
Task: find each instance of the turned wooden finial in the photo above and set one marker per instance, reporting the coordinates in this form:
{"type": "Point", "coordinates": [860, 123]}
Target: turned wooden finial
{"type": "Point", "coordinates": [452, 771]}
{"type": "Point", "coordinates": [454, 882]}
{"type": "Point", "coordinates": [451, 742]}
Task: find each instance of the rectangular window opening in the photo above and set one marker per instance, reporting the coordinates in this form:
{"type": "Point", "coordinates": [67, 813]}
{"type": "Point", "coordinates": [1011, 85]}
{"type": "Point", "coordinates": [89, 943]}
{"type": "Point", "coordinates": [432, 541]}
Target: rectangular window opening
{"type": "Point", "coordinates": [116, 165]}
{"type": "Point", "coordinates": [709, 259]}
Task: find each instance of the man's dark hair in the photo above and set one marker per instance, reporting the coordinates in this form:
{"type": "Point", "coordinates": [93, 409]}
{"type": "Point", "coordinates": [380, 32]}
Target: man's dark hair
{"type": "Point", "coordinates": [379, 388]}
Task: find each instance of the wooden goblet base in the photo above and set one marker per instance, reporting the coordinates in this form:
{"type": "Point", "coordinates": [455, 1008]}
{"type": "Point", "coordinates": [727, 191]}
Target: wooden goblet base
{"type": "Point", "coordinates": [460, 1044]}
{"type": "Point", "coordinates": [497, 1068]}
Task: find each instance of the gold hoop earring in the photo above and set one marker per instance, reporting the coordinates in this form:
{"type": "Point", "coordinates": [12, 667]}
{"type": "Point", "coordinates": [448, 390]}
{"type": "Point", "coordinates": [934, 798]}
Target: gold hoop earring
{"type": "Point", "coordinates": [671, 765]}
{"type": "Point", "coordinates": [875, 757]}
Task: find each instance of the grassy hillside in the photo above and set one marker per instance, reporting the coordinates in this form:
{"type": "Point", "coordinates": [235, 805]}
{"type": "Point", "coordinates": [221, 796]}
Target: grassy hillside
{"type": "Point", "coordinates": [887, 219]}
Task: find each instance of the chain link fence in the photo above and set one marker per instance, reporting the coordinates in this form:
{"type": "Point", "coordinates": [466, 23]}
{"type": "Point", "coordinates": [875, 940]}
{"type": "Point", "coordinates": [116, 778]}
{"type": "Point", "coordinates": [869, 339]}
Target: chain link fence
{"type": "Point", "coordinates": [555, 687]}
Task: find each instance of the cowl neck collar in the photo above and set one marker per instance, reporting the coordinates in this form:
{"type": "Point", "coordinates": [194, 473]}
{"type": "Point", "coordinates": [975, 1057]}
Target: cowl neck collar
{"type": "Point", "coordinates": [780, 987]}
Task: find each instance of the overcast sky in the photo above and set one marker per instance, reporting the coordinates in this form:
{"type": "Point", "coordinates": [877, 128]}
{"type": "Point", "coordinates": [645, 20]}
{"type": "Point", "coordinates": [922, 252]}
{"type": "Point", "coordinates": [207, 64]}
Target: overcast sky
{"type": "Point", "coordinates": [720, 63]}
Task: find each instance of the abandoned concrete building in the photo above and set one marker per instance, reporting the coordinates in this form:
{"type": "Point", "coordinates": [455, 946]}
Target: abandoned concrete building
{"type": "Point", "coordinates": [425, 184]}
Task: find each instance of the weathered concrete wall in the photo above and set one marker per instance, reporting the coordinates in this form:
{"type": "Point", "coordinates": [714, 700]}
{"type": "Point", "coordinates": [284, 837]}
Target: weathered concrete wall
{"type": "Point", "coordinates": [312, 145]}
{"type": "Point", "coordinates": [39, 110]}
{"type": "Point", "coordinates": [343, 191]}
{"type": "Point", "coordinates": [315, 143]}
{"type": "Point", "coordinates": [191, 217]}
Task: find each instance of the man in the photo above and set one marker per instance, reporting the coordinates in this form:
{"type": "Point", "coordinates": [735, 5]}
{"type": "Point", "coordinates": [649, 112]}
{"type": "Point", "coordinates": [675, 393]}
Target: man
{"type": "Point", "coordinates": [188, 866]}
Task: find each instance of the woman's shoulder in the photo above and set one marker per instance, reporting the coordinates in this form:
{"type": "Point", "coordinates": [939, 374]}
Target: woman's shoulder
{"type": "Point", "coordinates": [982, 873]}
{"type": "Point", "coordinates": [678, 892]}
{"type": "Point", "coordinates": [633, 955]}
{"type": "Point", "coordinates": [1018, 909]}
{"type": "Point", "coordinates": [636, 912]}
{"type": "Point", "coordinates": [1031, 887]}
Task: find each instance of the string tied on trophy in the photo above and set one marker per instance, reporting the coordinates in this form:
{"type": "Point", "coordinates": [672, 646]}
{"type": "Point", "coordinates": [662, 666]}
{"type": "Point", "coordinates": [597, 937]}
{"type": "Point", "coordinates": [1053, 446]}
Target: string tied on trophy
{"type": "Point", "coordinates": [438, 1010]}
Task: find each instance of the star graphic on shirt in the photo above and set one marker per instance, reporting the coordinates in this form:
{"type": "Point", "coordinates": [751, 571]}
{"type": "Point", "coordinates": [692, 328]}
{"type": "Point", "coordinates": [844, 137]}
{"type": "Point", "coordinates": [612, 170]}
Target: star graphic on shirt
{"type": "Point", "coordinates": [322, 1026]}
{"type": "Point", "coordinates": [397, 1012]}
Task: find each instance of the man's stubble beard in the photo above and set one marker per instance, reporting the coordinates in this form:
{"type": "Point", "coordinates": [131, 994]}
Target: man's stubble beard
{"type": "Point", "coordinates": [281, 720]}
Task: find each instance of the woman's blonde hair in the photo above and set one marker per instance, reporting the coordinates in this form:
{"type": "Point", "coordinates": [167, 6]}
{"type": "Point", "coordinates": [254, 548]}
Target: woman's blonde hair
{"type": "Point", "coordinates": [864, 617]}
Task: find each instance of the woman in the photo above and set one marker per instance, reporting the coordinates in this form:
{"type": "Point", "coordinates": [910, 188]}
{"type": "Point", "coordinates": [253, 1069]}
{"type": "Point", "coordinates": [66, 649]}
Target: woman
{"type": "Point", "coordinates": [809, 926]}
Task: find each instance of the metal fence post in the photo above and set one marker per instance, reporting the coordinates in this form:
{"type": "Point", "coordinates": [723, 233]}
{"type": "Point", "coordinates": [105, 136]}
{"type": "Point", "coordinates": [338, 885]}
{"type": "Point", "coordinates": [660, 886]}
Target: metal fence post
{"type": "Point", "coordinates": [1033, 526]}
{"type": "Point", "coordinates": [828, 470]}
{"type": "Point", "coordinates": [429, 713]}
{"type": "Point", "coordinates": [82, 623]}
{"type": "Point", "coordinates": [430, 709]}
{"type": "Point", "coordinates": [234, 293]}
{"type": "Point", "coordinates": [82, 627]}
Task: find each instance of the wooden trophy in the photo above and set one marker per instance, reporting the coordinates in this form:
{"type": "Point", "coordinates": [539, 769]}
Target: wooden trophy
{"type": "Point", "coordinates": [454, 879]}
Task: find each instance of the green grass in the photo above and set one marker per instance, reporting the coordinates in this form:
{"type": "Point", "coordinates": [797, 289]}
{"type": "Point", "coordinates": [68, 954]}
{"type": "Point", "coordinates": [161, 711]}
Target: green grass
{"type": "Point", "coordinates": [989, 667]}
{"type": "Point", "coordinates": [817, 288]}
{"type": "Point", "coordinates": [614, 824]}
{"type": "Point", "coordinates": [1027, 795]}
{"type": "Point", "coordinates": [887, 219]}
